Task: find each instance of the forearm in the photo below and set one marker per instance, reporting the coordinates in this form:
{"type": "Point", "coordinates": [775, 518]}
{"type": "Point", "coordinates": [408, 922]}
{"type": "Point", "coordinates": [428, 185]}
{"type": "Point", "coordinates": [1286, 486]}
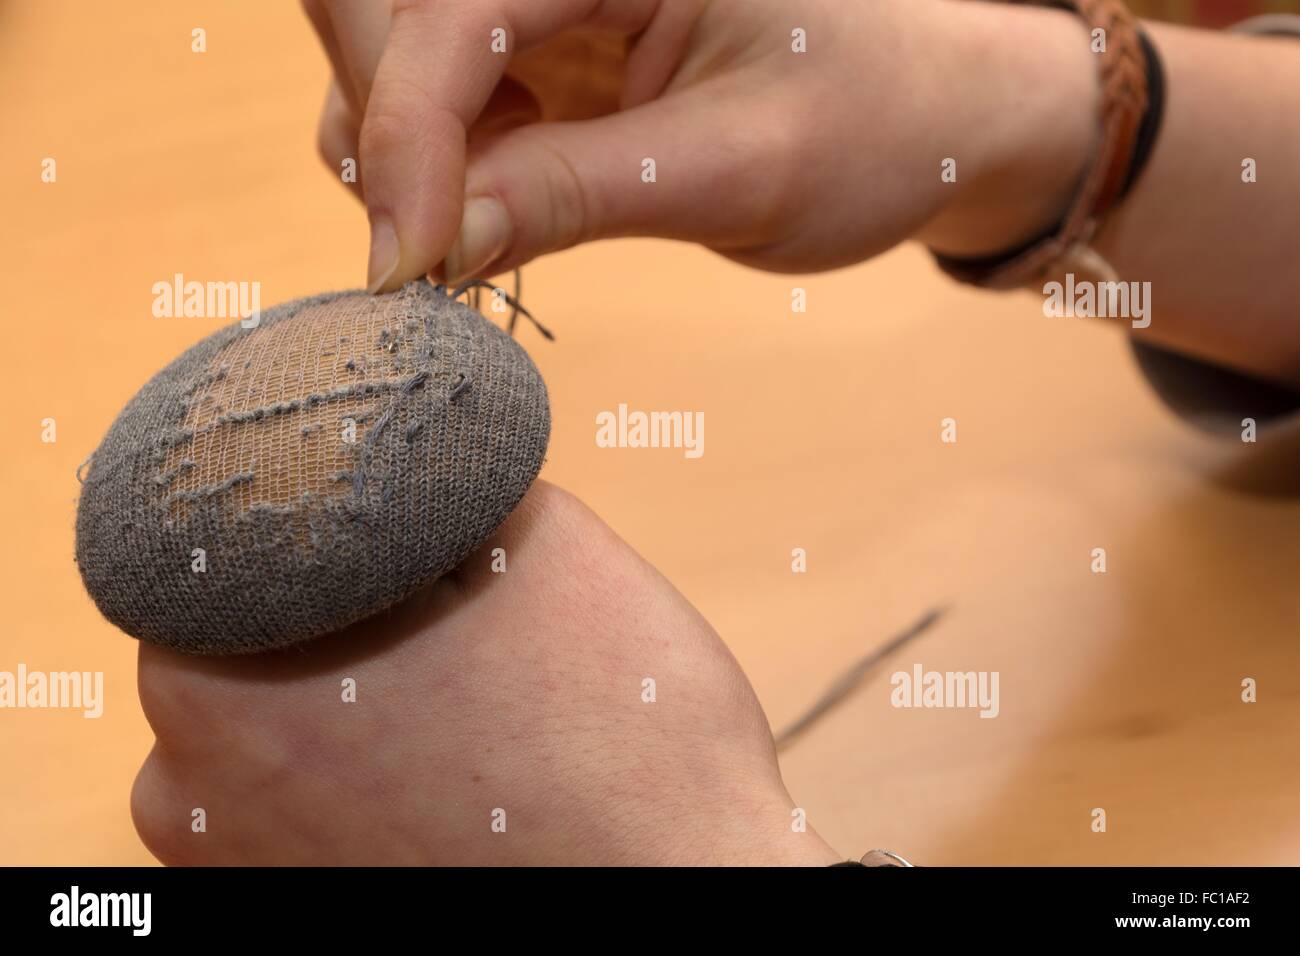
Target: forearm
{"type": "Point", "coordinates": [1220, 253]}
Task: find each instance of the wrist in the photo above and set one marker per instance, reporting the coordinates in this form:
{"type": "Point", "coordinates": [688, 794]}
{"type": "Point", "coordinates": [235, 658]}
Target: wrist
{"type": "Point", "coordinates": [775, 833]}
{"type": "Point", "coordinates": [1026, 125]}
{"type": "Point", "coordinates": [759, 829]}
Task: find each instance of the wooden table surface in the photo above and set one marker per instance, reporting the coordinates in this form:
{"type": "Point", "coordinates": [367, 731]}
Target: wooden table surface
{"type": "Point", "coordinates": [1118, 690]}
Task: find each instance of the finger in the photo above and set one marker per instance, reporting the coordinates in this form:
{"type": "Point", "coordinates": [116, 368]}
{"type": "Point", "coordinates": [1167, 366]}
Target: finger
{"type": "Point", "coordinates": [548, 533]}
{"type": "Point", "coordinates": [642, 172]}
{"type": "Point", "coordinates": [361, 27]}
{"type": "Point", "coordinates": [442, 61]}
{"type": "Point", "coordinates": [658, 51]}
{"type": "Point", "coordinates": [336, 141]}
{"type": "Point", "coordinates": [579, 74]}
{"type": "Point", "coordinates": [324, 27]}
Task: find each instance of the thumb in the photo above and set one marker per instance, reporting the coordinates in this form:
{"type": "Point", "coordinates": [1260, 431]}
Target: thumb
{"type": "Point", "coordinates": [647, 171]}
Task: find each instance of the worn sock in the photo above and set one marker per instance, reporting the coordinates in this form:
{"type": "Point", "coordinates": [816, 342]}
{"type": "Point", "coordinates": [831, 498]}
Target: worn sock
{"type": "Point", "coordinates": [277, 483]}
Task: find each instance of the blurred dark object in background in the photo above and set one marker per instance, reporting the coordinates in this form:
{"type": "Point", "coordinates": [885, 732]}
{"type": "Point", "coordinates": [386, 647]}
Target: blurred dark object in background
{"type": "Point", "coordinates": [1209, 13]}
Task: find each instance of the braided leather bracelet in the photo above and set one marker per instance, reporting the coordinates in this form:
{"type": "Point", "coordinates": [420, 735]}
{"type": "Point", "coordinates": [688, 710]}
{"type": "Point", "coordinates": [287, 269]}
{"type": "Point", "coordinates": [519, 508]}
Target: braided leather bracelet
{"type": "Point", "coordinates": [1131, 105]}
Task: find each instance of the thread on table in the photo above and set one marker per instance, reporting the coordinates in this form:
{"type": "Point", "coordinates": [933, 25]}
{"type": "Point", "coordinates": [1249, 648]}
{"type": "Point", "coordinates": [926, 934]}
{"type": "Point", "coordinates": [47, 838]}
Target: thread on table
{"type": "Point", "coordinates": [853, 677]}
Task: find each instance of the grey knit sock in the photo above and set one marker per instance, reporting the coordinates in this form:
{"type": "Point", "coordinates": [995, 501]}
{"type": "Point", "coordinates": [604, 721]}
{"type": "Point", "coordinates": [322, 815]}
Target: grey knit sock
{"type": "Point", "coordinates": [274, 484]}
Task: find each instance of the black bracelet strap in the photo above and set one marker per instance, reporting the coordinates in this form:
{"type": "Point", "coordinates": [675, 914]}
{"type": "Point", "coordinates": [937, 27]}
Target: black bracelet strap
{"type": "Point", "coordinates": [1142, 149]}
{"type": "Point", "coordinates": [1131, 111]}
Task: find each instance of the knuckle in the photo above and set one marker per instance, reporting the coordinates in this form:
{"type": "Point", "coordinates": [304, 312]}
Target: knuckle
{"type": "Point", "coordinates": [442, 12]}
{"type": "Point", "coordinates": [554, 503]}
{"type": "Point", "coordinates": [158, 688]}
{"type": "Point", "coordinates": [400, 120]}
{"type": "Point", "coordinates": [160, 821]}
{"type": "Point", "coordinates": [402, 7]}
{"type": "Point", "coordinates": [781, 180]}
{"type": "Point", "coordinates": [570, 208]}
{"type": "Point", "coordinates": [175, 700]}
{"type": "Point", "coordinates": [566, 521]}
{"type": "Point", "coordinates": [383, 131]}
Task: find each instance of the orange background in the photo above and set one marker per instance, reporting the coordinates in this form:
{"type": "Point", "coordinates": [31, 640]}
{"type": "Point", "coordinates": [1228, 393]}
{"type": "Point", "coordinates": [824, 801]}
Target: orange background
{"type": "Point", "coordinates": [1118, 691]}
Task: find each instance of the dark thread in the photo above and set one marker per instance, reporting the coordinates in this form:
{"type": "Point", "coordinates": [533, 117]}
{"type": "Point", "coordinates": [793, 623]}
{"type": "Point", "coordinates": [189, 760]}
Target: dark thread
{"type": "Point", "coordinates": [267, 508]}
{"type": "Point", "coordinates": [384, 419]}
{"type": "Point", "coordinates": [359, 477]}
{"type": "Point", "coordinates": [167, 477]}
{"type": "Point", "coordinates": [850, 679]}
{"type": "Point", "coordinates": [372, 436]}
{"type": "Point", "coordinates": [514, 312]}
{"type": "Point", "coordinates": [513, 301]}
{"type": "Point", "coordinates": [412, 430]}
{"type": "Point", "coordinates": [462, 382]}
{"type": "Point", "coordinates": [177, 436]}
{"type": "Point", "coordinates": [203, 381]}
{"type": "Point", "coordinates": [210, 491]}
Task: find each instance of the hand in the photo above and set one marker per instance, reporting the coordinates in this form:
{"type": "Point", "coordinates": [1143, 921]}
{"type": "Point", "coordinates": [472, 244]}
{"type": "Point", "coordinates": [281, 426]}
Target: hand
{"type": "Point", "coordinates": [783, 160]}
{"type": "Point", "coordinates": [519, 692]}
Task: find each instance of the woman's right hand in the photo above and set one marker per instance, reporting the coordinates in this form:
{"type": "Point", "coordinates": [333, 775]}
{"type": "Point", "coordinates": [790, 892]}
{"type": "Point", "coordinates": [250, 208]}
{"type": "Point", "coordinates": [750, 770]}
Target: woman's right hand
{"type": "Point", "coordinates": [785, 160]}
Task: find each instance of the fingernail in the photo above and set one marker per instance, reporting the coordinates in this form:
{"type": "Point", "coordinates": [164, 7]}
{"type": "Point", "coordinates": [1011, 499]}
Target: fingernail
{"type": "Point", "coordinates": [484, 234]}
{"type": "Point", "coordinates": [384, 254]}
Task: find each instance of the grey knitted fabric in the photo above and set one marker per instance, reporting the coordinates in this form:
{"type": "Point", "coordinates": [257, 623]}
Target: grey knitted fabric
{"type": "Point", "coordinates": [328, 463]}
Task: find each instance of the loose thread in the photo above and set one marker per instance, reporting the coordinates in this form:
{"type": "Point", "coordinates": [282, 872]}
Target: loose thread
{"type": "Point", "coordinates": [513, 301]}
{"type": "Point", "coordinates": [462, 382]}
{"type": "Point", "coordinates": [848, 682]}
